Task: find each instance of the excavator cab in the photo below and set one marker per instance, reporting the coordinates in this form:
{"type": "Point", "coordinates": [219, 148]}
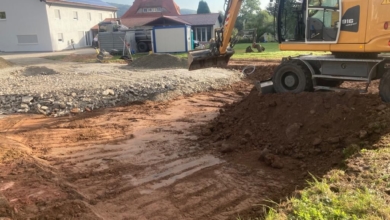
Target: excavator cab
{"type": "Point", "coordinates": [308, 21]}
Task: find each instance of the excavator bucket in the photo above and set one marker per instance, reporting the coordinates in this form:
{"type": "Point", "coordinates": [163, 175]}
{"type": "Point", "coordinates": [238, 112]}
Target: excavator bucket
{"type": "Point", "coordinates": [205, 59]}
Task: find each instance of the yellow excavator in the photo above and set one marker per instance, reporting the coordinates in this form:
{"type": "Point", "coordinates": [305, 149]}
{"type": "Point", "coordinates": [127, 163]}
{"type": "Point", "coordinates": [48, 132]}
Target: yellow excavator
{"type": "Point", "coordinates": [355, 32]}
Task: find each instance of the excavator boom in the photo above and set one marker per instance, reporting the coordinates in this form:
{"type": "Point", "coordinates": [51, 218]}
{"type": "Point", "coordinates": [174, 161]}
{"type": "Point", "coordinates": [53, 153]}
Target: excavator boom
{"type": "Point", "coordinates": [218, 54]}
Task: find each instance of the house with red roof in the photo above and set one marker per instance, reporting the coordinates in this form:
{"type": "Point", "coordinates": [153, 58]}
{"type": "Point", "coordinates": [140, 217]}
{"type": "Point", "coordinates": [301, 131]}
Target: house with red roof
{"type": "Point", "coordinates": [166, 13]}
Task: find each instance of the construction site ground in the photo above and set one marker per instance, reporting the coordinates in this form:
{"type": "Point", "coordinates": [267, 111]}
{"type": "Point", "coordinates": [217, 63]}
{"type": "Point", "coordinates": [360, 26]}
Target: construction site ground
{"type": "Point", "coordinates": [216, 154]}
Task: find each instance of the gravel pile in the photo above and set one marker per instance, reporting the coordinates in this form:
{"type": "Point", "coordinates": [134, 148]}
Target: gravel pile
{"type": "Point", "coordinates": [159, 61]}
{"type": "Point", "coordinates": [4, 63]}
{"type": "Point", "coordinates": [59, 89]}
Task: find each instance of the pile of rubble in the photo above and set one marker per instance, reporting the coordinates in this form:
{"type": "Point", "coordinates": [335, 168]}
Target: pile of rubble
{"type": "Point", "coordinates": [61, 89]}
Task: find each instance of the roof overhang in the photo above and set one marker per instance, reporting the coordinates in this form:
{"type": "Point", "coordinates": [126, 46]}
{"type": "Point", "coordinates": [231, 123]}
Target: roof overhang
{"type": "Point", "coordinates": [80, 5]}
{"type": "Point", "coordinates": [169, 19]}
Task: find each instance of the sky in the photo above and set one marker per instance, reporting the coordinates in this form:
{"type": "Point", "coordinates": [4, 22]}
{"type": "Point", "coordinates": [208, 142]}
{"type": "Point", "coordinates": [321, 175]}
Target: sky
{"type": "Point", "coordinates": [214, 5]}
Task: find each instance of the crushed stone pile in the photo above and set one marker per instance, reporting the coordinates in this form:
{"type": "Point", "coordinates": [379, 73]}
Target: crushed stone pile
{"type": "Point", "coordinates": [296, 131]}
{"type": "Point", "coordinates": [38, 70]}
{"type": "Point", "coordinates": [4, 63]}
{"type": "Point", "coordinates": [62, 89]}
{"type": "Point", "coordinates": [159, 61]}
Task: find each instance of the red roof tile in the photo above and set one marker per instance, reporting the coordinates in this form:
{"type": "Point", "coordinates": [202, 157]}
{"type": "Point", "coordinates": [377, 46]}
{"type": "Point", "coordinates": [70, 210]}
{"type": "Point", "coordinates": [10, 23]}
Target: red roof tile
{"type": "Point", "coordinates": [193, 20]}
{"type": "Point", "coordinates": [170, 8]}
{"type": "Point", "coordinates": [137, 22]}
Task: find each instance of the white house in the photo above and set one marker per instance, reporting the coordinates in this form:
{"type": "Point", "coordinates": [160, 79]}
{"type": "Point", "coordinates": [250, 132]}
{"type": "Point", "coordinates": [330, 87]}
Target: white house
{"type": "Point", "coordinates": [49, 25]}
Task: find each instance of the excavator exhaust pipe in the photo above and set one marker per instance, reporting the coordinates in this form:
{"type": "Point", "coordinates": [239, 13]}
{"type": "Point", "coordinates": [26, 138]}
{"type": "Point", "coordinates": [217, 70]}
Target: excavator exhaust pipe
{"type": "Point", "coordinates": [202, 59]}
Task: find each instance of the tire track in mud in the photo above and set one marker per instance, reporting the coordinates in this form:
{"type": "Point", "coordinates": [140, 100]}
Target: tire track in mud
{"type": "Point", "coordinates": [157, 163]}
{"type": "Point", "coordinates": [143, 162]}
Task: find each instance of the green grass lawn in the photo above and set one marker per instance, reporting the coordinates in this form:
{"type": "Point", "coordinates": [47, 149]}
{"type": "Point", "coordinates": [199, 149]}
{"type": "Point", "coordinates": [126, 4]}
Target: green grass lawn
{"type": "Point", "coordinates": [271, 52]}
{"type": "Point", "coordinates": [343, 196]}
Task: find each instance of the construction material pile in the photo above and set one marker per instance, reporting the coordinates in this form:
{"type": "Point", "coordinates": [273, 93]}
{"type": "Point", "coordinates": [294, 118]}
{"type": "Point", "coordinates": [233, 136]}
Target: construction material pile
{"type": "Point", "coordinates": [159, 61]}
{"type": "Point", "coordinates": [309, 128]}
{"type": "Point", "coordinates": [4, 63]}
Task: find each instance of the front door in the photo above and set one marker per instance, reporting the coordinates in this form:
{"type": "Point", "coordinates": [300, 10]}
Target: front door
{"type": "Point", "coordinates": [323, 21]}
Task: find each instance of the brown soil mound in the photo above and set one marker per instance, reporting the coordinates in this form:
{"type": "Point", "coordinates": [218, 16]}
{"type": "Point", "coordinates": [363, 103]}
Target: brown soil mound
{"type": "Point", "coordinates": [159, 61]}
{"type": "Point", "coordinates": [4, 63]}
{"type": "Point", "coordinates": [314, 128]}
{"type": "Point", "coordinates": [255, 70]}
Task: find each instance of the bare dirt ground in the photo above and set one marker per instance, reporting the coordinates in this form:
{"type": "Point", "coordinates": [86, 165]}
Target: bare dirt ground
{"type": "Point", "coordinates": [135, 162]}
{"type": "Point", "coordinates": [212, 155]}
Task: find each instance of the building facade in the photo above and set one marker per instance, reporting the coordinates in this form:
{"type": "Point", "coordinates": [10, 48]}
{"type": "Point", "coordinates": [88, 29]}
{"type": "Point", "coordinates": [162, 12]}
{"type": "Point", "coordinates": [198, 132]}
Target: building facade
{"type": "Point", "coordinates": [165, 13]}
{"type": "Point", "coordinates": [51, 25]}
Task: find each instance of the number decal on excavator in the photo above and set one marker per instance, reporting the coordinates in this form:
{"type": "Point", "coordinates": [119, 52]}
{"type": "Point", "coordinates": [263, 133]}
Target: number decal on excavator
{"type": "Point", "coordinates": [386, 2]}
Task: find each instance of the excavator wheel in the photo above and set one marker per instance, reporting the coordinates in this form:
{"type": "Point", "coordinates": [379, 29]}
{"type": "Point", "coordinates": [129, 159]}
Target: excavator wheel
{"type": "Point", "coordinates": [142, 47]}
{"type": "Point", "coordinates": [384, 87]}
{"type": "Point", "coordinates": [292, 76]}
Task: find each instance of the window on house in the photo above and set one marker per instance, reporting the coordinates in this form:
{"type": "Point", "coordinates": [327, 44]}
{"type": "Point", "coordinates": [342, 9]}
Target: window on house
{"type": "Point", "coordinates": [158, 9]}
{"type": "Point", "coordinates": [57, 14]}
{"type": "Point", "coordinates": [75, 15]}
{"type": "Point", "coordinates": [3, 15]}
{"type": "Point", "coordinates": [100, 17]}
{"type": "Point", "coordinates": [27, 39]}
{"type": "Point", "coordinates": [88, 41]}
{"type": "Point", "coordinates": [203, 33]}
{"type": "Point", "coordinates": [89, 16]}
{"type": "Point", "coordinates": [61, 37]}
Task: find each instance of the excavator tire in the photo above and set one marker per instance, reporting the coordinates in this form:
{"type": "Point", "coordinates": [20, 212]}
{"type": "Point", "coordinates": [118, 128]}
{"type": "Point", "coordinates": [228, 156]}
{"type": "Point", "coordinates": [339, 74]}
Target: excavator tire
{"type": "Point", "coordinates": [292, 76]}
{"type": "Point", "coordinates": [384, 87]}
{"type": "Point", "coordinates": [142, 47]}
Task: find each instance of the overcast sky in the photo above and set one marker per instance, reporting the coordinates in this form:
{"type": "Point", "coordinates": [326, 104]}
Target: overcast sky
{"type": "Point", "coordinates": [215, 5]}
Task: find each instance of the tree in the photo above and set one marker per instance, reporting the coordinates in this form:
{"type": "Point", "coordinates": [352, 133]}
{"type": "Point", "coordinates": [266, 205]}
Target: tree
{"type": "Point", "coordinates": [203, 8]}
{"type": "Point", "coordinates": [248, 11]}
{"type": "Point", "coordinates": [252, 17]}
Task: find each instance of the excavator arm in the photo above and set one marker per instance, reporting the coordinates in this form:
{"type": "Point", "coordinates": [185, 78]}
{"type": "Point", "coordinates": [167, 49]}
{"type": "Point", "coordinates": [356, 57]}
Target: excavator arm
{"type": "Point", "coordinates": [219, 53]}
